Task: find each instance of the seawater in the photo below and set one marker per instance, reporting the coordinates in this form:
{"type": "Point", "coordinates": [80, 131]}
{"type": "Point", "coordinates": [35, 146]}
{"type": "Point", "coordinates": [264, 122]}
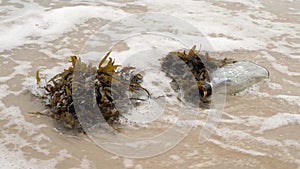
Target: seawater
{"type": "Point", "coordinates": [259, 126]}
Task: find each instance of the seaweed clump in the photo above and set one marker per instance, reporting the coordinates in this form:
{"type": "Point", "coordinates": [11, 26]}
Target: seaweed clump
{"type": "Point", "coordinates": [189, 71]}
{"type": "Point", "coordinates": [92, 81]}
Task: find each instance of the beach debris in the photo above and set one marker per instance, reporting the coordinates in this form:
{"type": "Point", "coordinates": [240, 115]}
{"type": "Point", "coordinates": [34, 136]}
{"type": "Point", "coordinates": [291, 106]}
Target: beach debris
{"type": "Point", "coordinates": [197, 75]}
{"type": "Point", "coordinates": [190, 72]}
{"type": "Point", "coordinates": [194, 77]}
{"type": "Point", "coordinates": [59, 90]}
{"type": "Point", "coordinates": [37, 76]}
{"type": "Point", "coordinates": [238, 76]}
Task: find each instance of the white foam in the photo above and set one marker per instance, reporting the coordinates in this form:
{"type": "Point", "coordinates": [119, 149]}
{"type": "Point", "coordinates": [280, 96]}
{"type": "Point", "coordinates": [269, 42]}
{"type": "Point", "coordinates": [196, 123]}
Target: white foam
{"type": "Point", "coordinates": [244, 142]}
{"type": "Point", "coordinates": [279, 120]}
{"type": "Point", "coordinates": [239, 149]}
{"type": "Point", "coordinates": [268, 56]}
{"type": "Point", "coordinates": [17, 120]}
{"type": "Point", "coordinates": [293, 100]}
{"type": "Point", "coordinates": [175, 157]}
{"type": "Point", "coordinates": [242, 31]}
{"type": "Point", "coordinates": [249, 121]}
{"type": "Point", "coordinates": [15, 158]}
{"type": "Point", "coordinates": [274, 86]}
{"type": "Point", "coordinates": [292, 82]}
{"type": "Point", "coordinates": [12, 12]}
{"type": "Point", "coordinates": [263, 123]}
{"type": "Point", "coordinates": [140, 53]}
{"type": "Point", "coordinates": [50, 25]}
{"type": "Point", "coordinates": [45, 74]}
{"type": "Point", "coordinates": [40, 137]}
{"type": "Point", "coordinates": [193, 153]}
{"type": "Point", "coordinates": [294, 143]}
{"type": "Point", "coordinates": [253, 90]}
{"type": "Point", "coordinates": [3, 90]}
{"type": "Point", "coordinates": [284, 69]}
{"type": "Point", "coordinates": [251, 3]}
{"type": "Point", "coordinates": [22, 68]}
{"type": "Point", "coordinates": [84, 164]}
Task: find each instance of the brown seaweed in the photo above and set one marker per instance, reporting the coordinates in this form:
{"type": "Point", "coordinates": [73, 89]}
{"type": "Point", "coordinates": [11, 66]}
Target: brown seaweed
{"type": "Point", "coordinates": [188, 69]}
{"type": "Point", "coordinates": [190, 73]}
{"type": "Point", "coordinates": [37, 76]}
{"type": "Point", "coordinates": [60, 95]}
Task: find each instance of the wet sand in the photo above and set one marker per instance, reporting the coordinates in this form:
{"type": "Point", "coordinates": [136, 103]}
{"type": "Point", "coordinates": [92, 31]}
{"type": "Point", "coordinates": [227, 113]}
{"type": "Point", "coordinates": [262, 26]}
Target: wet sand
{"type": "Point", "coordinates": [259, 127]}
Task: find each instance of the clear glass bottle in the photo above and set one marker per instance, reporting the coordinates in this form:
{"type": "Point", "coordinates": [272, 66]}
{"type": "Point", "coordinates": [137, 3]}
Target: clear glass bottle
{"type": "Point", "coordinates": [237, 76]}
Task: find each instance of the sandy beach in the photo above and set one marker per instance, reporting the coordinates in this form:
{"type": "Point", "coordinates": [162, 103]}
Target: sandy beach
{"type": "Point", "coordinates": [259, 127]}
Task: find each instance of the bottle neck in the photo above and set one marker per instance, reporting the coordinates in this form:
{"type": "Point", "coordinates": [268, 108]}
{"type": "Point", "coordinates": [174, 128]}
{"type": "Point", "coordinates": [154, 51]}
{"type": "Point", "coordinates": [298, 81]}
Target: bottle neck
{"type": "Point", "coordinates": [205, 90]}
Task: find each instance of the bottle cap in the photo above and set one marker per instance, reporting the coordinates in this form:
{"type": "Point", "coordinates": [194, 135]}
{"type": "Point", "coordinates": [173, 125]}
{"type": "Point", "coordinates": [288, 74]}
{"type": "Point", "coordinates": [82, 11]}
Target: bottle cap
{"type": "Point", "coordinates": [206, 90]}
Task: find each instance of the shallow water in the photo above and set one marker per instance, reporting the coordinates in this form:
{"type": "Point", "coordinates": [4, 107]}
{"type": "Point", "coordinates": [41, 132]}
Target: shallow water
{"type": "Point", "coordinates": [259, 126]}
